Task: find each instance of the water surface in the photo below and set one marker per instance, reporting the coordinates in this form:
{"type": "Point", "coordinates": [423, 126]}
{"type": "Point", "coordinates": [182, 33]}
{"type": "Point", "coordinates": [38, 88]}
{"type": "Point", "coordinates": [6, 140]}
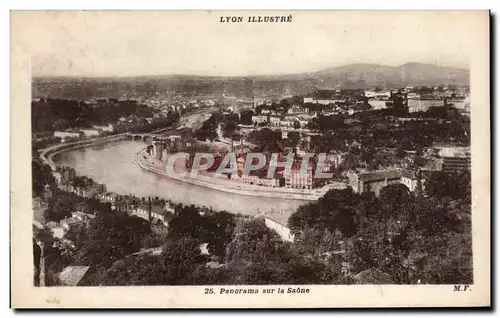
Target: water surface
{"type": "Point", "coordinates": [112, 164]}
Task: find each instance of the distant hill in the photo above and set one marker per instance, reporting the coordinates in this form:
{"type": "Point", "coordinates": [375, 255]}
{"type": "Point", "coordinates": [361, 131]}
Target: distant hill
{"type": "Point", "coordinates": [372, 75]}
{"type": "Point", "coordinates": [358, 75]}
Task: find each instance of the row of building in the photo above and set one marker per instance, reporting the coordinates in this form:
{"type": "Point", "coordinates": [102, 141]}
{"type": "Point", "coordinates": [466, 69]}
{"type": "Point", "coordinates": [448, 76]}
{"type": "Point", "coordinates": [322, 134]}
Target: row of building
{"type": "Point", "coordinates": [76, 133]}
{"type": "Point", "coordinates": [451, 160]}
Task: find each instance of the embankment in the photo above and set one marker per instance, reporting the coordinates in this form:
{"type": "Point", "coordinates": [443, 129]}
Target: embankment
{"type": "Point", "coordinates": [47, 153]}
{"type": "Point", "coordinates": [238, 188]}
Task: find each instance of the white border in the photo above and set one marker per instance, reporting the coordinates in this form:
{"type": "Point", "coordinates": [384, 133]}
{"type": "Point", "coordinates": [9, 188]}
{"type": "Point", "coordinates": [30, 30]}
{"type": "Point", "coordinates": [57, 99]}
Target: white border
{"type": "Point", "coordinates": [93, 4]}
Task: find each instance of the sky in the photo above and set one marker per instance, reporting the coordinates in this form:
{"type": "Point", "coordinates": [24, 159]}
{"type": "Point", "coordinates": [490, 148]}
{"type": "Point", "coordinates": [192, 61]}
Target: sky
{"type": "Point", "coordinates": [127, 43]}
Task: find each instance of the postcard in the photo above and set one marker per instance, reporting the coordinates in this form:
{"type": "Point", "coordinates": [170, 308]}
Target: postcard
{"type": "Point", "coordinates": [250, 159]}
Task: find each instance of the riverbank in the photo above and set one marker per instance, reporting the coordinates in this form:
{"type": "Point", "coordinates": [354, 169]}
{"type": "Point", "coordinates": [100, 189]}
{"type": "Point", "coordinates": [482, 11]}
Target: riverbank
{"type": "Point", "coordinates": [201, 181]}
{"type": "Point", "coordinates": [47, 153]}
{"type": "Point", "coordinates": [239, 189]}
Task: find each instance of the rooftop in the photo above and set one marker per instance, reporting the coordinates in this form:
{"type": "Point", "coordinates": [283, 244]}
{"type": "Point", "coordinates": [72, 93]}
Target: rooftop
{"type": "Point", "coordinates": [379, 175]}
{"type": "Point", "coordinates": [280, 217]}
{"type": "Point", "coordinates": [72, 275]}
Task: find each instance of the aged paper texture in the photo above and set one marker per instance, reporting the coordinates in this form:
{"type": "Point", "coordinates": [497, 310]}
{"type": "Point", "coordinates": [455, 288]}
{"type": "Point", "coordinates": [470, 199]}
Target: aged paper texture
{"type": "Point", "coordinates": [219, 159]}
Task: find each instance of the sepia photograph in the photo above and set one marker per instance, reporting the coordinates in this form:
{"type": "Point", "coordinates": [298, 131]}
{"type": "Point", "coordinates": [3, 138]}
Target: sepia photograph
{"type": "Point", "coordinates": [250, 154]}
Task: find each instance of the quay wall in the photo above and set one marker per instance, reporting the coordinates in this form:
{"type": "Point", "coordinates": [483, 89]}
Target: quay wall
{"type": "Point", "coordinates": [240, 189]}
{"type": "Point", "coordinates": [47, 153]}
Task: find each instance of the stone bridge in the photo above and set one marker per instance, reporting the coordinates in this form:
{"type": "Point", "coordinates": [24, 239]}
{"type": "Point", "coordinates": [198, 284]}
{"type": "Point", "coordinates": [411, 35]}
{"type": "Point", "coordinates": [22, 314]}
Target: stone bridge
{"type": "Point", "coordinates": [140, 136]}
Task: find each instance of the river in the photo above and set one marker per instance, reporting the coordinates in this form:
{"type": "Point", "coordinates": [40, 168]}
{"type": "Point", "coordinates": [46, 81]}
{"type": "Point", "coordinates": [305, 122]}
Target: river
{"type": "Point", "coordinates": [112, 165]}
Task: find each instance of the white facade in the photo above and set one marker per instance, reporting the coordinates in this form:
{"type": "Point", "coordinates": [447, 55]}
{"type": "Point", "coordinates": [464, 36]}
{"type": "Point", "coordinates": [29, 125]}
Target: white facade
{"type": "Point", "coordinates": [245, 179]}
{"type": "Point", "coordinates": [296, 109]}
{"type": "Point", "coordinates": [282, 230]}
{"type": "Point", "coordinates": [299, 180]}
{"type": "Point", "coordinates": [274, 120]}
{"type": "Point", "coordinates": [411, 183]}
{"type": "Point", "coordinates": [259, 119]}
{"type": "Point", "coordinates": [58, 231]}
{"type": "Point", "coordinates": [329, 101]}
{"type": "Point", "coordinates": [323, 101]}
{"type": "Point", "coordinates": [66, 134]}
{"type": "Point", "coordinates": [458, 104]}
{"type": "Point", "coordinates": [144, 214]}
{"type": "Point", "coordinates": [371, 94]}
{"type": "Point", "coordinates": [413, 95]}
{"type": "Point", "coordinates": [286, 123]}
{"type": "Point", "coordinates": [377, 104]}
{"type": "Point", "coordinates": [422, 105]}
{"type": "Point", "coordinates": [91, 132]}
{"type": "Point", "coordinates": [108, 128]}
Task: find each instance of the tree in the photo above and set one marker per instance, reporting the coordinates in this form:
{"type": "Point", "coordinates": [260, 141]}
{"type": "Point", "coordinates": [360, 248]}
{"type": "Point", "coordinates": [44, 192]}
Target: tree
{"type": "Point", "coordinates": [108, 239]}
{"type": "Point", "coordinates": [218, 231]}
{"type": "Point", "coordinates": [453, 185]}
{"type": "Point", "coordinates": [368, 154]}
{"type": "Point", "coordinates": [180, 258]}
{"type": "Point", "coordinates": [293, 137]}
{"type": "Point", "coordinates": [254, 243]}
{"type": "Point", "coordinates": [400, 153]}
{"type": "Point", "coordinates": [230, 126]}
{"type": "Point", "coordinates": [187, 222]}
{"type": "Point", "coordinates": [395, 195]}
{"type": "Point", "coordinates": [175, 266]}
{"type": "Point", "coordinates": [246, 117]}
{"type": "Point", "coordinates": [59, 207]}
{"type": "Point", "coordinates": [334, 211]}
{"type": "Point", "coordinates": [41, 176]}
{"type": "Point", "coordinates": [209, 129]}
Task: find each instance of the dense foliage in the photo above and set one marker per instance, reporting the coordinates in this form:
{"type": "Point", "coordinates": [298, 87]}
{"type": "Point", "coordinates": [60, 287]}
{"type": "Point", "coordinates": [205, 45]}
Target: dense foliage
{"type": "Point", "coordinates": [61, 114]}
{"type": "Point", "coordinates": [398, 233]}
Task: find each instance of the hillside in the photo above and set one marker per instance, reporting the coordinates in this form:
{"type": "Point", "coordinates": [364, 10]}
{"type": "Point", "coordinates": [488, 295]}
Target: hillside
{"type": "Point", "coordinates": [347, 76]}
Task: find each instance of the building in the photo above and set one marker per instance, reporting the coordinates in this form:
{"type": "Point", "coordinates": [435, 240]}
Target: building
{"type": "Point", "coordinates": [329, 101]}
{"type": "Point", "coordinates": [376, 94]}
{"type": "Point", "coordinates": [57, 230]}
{"type": "Point", "coordinates": [77, 218]}
{"type": "Point", "coordinates": [162, 146]}
{"type": "Point", "coordinates": [410, 180]}
{"type": "Point", "coordinates": [373, 181]}
{"type": "Point", "coordinates": [275, 121]}
{"type": "Point", "coordinates": [323, 101]}
{"type": "Point", "coordinates": [278, 224]}
{"type": "Point", "coordinates": [253, 179]}
{"type": "Point", "coordinates": [90, 132]}
{"type": "Point", "coordinates": [456, 163]}
{"type": "Point", "coordinates": [157, 149]}
{"type": "Point", "coordinates": [377, 103]}
{"type": "Point", "coordinates": [296, 109]}
{"type": "Point", "coordinates": [335, 159]}
{"type": "Point", "coordinates": [422, 105]}
{"type": "Point", "coordinates": [108, 128]}
{"type": "Point", "coordinates": [67, 134]}
{"type": "Point", "coordinates": [108, 196]}
{"type": "Point", "coordinates": [413, 95]}
{"type": "Point", "coordinates": [446, 150]}
{"type": "Point", "coordinates": [158, 213]}
{"type": "Point", "coordinates": [298, 180]}
{"type": "Point", "coordinates": [458, 103]}
{"type": "Point", "coordinates": [259, 119]}
{"type": "Point", "coordinates": [287, 123]}
{"type": "Point", "coordinates": [73, 275]}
